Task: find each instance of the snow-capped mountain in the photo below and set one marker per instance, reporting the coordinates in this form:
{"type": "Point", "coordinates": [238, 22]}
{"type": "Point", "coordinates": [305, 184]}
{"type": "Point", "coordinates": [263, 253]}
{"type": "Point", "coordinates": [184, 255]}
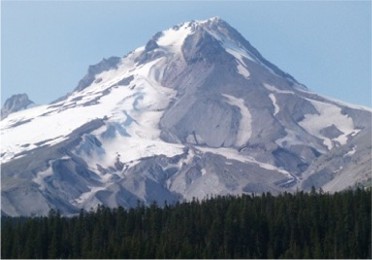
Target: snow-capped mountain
{"type": "Point", "coordinates": [16, 103]}
{"type": "Point", "coordinates": [197, 111]}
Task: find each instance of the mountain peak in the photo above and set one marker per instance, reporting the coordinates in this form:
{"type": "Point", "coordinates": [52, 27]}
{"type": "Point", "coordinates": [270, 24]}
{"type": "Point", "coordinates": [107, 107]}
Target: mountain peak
{"type": "Point", "coordinates": [212, 20]}
{"type": "Point", "coordinates": [214, 34]}
{"type": "Point", "coordinates": [195, 111]}
{"type": "Point", "coordinates": [15, 103]}
{"type": "Point", "coordinates": [176, 35]}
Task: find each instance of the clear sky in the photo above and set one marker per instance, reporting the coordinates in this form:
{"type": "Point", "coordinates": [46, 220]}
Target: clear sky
{"type": "Point", "coordinates": [47, 46]}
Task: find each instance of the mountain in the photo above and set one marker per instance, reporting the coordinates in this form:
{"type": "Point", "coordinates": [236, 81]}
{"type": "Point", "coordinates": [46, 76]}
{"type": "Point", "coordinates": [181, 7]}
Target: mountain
{"type": "Point", "coordinates": [15, 103]}
{"type": "Point", "coordinates": [195, 112]}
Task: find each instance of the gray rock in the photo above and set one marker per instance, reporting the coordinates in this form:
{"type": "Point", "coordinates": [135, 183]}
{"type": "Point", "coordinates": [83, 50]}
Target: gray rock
{"type": "Point", "coordinates": [15, 103]}
{"type": "Point", "coordinates": [93, 70]}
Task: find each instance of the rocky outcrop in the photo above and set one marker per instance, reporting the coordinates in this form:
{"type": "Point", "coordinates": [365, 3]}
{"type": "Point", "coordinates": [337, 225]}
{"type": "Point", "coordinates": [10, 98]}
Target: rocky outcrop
{"type": "Point", "coordinates": [15, 103]}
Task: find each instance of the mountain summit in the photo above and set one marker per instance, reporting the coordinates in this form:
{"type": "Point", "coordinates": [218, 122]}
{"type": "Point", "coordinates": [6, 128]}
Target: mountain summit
{"type": "Point", "coordinates": [195, 112]}
{"type": "Point", "coordinates": [15, 103]}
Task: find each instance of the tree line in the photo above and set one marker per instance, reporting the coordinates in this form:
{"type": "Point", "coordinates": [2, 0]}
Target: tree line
{"type": "Point", "coordinates": [300, 225]}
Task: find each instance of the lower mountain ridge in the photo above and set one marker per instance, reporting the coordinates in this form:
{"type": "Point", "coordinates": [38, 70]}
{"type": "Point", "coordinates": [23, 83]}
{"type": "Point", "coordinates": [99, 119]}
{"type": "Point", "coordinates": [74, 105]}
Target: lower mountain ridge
{"type": "Point", "coordinates": [196, 112]}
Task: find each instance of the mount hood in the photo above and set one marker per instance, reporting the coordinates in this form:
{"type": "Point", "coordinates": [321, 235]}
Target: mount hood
{"type": "Point", "coordinates": [195, 112]}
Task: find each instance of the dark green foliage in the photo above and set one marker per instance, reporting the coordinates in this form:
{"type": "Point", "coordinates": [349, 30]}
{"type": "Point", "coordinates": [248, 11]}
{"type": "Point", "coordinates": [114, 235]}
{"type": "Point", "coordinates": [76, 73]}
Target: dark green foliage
{"type": "Point", "coordinates": [301, 225]}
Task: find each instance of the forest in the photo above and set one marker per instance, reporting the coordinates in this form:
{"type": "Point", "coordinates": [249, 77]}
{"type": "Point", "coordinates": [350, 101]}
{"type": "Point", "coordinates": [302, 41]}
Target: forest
{"type": "Point", "coordinates": [299, 225]}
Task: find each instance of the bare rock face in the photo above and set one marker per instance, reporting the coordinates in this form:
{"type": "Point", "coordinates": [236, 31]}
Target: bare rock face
{"type": "Point", "coordinates": [15, 103]}
{"type": "Point", "coordinates": [93, 70]}
{"type": "Point", "coordinates": [195, 112]}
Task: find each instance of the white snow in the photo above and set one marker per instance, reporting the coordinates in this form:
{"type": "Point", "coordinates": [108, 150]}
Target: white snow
{"type": "Point", "coordinates": [41, 128]}
{"type": "Point", "coordinates": [134, 148]}
{"type": "Point", "coordinates": [245, 124]}
{"type": "Point", "coordinates": [329, 115]}
{"type": "Point", "coordinates": [89, 196]}
{"type": "Point", "coordinates": [144, 103]}
{"type": "Point", "coordinates": [188, 159]}
{"type": "Point", "coordinates": [173, 38]}
{"type": "Point", "coordinates": [273, 100]}
{"type": "Point", "coordinates": [40, 176]}
{"type": "Point", "coordinates": [351, 152]}
{"type": "Point", "coordinates": [39, 179]}
{"type": "Point", "coordinates": [276, 90]}
{"type": "Point", "coordinates": [212, 19]}
{"type": "Point", "coordinates": [243, 71]}
{"type": "Point", "coordinates": [67, 116]}
{"type": "Point", "coordinates": [239, 54]}
{"type": "Point", "coordinates": [232, 47]}
{"type": "Point", "coordinates": [233, 154]}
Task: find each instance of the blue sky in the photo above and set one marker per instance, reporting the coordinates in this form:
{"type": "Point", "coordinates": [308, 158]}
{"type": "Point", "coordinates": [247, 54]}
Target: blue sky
{"type": "Point", "coordinates": [47, 46]}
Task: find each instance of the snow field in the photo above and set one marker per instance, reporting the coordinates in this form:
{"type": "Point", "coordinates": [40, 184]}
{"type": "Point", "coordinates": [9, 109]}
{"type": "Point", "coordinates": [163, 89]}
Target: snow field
{"type": "Point", "coordinates": [329, 115]}
{"type": "Point", "coordinates": [173, 38]}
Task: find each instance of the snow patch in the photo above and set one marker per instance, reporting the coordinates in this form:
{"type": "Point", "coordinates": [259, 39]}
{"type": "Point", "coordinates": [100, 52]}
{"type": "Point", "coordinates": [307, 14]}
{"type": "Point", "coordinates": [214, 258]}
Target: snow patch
{"type": "Point", "coordinates": [272, 88]}
{"type": "Point", "coordinates": [237, 52]}
{"type": "Point", "coordinates": [329, 115]}
{"type": "Point", "coordinates": [351, 152]}
{"type": "Point", "coordinates": [40, 176]}
{"type": "Point", "coordinates": [188, 159]}
{"type": "Point", "coordinates": [233, 154]}
{"type": "Point", "coordinates": [87, 196]}
{"type": "Point", "coordinates": [243, 71]}
{"type": "Point", "coordinates": [245, 124]}
{"type": "Point", "coordinates": [273, 100]}
{"type": "Point", "coordinates": [134, 148]}
{"type": "Point", "coordinates": [173, 38]}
